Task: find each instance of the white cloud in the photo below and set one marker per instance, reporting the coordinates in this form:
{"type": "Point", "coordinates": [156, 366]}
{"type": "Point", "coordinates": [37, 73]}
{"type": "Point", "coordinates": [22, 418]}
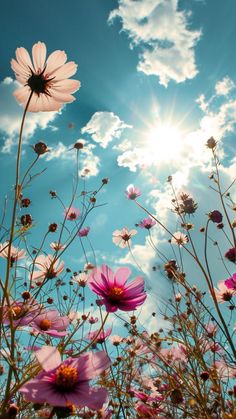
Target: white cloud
{"type": "Point", "coordinates": [123, 146]}
{"type": "Point", "coordinates": [104, 127]}
{"type": "Point", "coordinates": [224, 86]}
{"type": "Point", "coordinates": [161, 29]}
{"type": "Point", "coordinates": [11, 116]}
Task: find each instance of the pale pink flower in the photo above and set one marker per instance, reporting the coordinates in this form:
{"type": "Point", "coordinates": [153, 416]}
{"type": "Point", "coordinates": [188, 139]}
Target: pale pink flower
{"type": "Point", "coordinates": [80, 279]}
{"type": "Point", "coordinates": [99, 337]}
{"type": "Point", "coordinates": [122, 238]}
{"type": "Point", "coordinates": [224, 370]}
{"type": "Point", "coordinates": [132, 192]}
{"type": "Point", "coordinates": [223, 293]}
{"type": "Point", "coordinates": [57, 246]}
{"type": "Point", "coordinates": [16, 253]}
{"type": "Point", "coordinates": [72, 214]}
{"type": "Point", "coordinates": [116, 340]}
{"type": "Point", "coordinates": [46, 268]}
{"type": "Point", "coordinates": [67, 382]}
{"type": "Point", "coordinates": [84, 232]}
{"type": "Point", "coordinates": [49, 80]}
{"type": "Point", "coordinates": [50, 323]}
{"type": "Point", "coordinates": [179, 238]}
{"type": "Point", "coordinates": [116, 293]}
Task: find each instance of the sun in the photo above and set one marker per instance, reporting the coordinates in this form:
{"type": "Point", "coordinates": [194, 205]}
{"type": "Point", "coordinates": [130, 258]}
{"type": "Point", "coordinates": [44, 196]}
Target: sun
{"type": "Point", "coordinates": [164, 143]}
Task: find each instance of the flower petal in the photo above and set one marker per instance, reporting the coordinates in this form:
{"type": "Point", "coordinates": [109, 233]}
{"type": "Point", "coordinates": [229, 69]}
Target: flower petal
{"type": "Point", "coordinates": [49, 357]}
{"type": "Point", "coordinates": [65, 71]}
{"type": "Point", "coordinates": [54, 61]}
{"type": "Point", "coordinates": [39, 56]}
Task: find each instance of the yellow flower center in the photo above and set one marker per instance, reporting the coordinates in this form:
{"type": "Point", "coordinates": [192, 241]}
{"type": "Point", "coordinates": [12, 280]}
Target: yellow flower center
{"type": "Point", "coordinates": [66, 377]}
{"type": "Point", "coordinates": [115, 293]}
{"type": "Point", "coordinates": [45, 324]}
{"type": "Point", "coordinates": [16, 312]}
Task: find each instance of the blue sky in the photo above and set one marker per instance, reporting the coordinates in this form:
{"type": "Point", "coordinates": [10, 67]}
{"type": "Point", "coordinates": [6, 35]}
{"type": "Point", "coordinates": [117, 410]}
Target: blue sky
{"type": "Point", "coordinates": [157, 80]}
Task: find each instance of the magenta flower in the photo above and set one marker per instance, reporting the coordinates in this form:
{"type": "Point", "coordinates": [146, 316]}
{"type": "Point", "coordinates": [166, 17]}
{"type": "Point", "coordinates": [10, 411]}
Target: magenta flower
{"type": "Point", "coordinates": [147, 223]}
{"type": "Point", "coordinates": [231, 282]}
{"type": "Point", "coordinates": [100, 337]}
{"type": "Point", "coordinates": [50, 323]}
{"type": "Point", "coordinates": [48, 80]}
{"type": "Point", "coordinates": [84, 232]}
{"type": "Point", "coordinates": [114, 290]}
{"type": "Point", "coordinates": [67, 382]}
{"type": "Point", "coordinates": [47, 268]}
{"type": "Point", "coordinates": [132, 192]}
{"type": "Point", "coordinates": [72, 214]}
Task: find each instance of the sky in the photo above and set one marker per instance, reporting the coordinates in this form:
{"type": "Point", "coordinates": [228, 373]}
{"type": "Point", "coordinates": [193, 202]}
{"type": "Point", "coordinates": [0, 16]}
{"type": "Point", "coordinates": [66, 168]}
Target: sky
{"type": "Point", "coordinates": [157, 80]}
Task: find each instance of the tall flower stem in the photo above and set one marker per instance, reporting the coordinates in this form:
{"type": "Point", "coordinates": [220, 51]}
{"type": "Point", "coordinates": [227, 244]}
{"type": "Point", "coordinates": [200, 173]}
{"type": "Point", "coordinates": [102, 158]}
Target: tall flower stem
{"type": "Point", "coordinates": [6, 285]}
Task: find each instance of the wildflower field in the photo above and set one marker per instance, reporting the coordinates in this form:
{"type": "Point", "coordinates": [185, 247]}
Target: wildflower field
{"type": "Point", "coordinates": [117, 239]}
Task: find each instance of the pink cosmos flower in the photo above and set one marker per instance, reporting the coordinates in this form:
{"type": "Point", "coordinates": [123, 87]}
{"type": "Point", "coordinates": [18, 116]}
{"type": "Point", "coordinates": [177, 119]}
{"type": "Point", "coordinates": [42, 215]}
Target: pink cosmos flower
{"type": "Point", "coordinates": [80, 279]}
{"type": "Point", "coordinates": [223, 293]}
{"type": "Point", "coordinates": [47, 269]}
{"type": "Point", "coordinates": [231, 282]}
{"type": "Point", "coordinates": [84, 232]}
{"type": "Point", "coordinates": [116, 340]}
{"type": "Point", "coordinates": [67, 382]}
{"type": "Point", "coordinates": [122, 238]}
{"type": "Point", "coordinates": [22, 312]}
{"type": "Point", "coordinates": [16, 253]}
{"type": "Point", "coordinates": [147, 223]}
{"type": "Point", "coordinates": [47, 79]}
{"type": "Point", "coordinates": [101, 337]}
{"type": "Point", "coordinates": [50, 323]}
{"type": "Point", "coordinates": [57, 246]}
{"type": "Point", "coordinates": [114, 290]}
{"type": "Point", "coordinates": [132, 192]}
{"type": "Point", "coordinates": [72, 214]}
{"type": "Point", "coordinates": [179, 239]}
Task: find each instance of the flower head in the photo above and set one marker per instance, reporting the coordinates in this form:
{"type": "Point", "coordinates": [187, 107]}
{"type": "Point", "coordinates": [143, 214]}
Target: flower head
{"type": "Point", "coordinates": [116, 293]}
{"type": "Point", "coordinates": [99, 337]}
{"type": "Point", "coordinates": [57, 246]}
{"type": "Point", "coordinates": [179, 238]}
{"type": "Point", "coordinates": [231, 282]}
{"type": "Point", "coordinates": [67, 382]}
{"type": "Point", "coordinates": [72, 214]}
{"type": "Point", "coordinates": [147, 223]}
{"type": "Point", "coordinates": [47, 268]}
{"type": "Point", "coordinates": [132, 192]}
{"type": "Point", "coordinates": [80, 279]}
{"type": "Point", "coordinates": [231, 254]}
{"type": "Point", "coordinates": [215, 216]}
{"type": "Point", "coordinates": [84, 232]}
{"type": "Point", "coordinates": [50, 323]}
{"type": "Point", "coordinates": [122, 238]}
{"type": "Point", "coordinates": [223, 293]}
{"type": "Point", "coordinates": [15, 254]}
{"type": "Point", "coordinates": [47, 80]}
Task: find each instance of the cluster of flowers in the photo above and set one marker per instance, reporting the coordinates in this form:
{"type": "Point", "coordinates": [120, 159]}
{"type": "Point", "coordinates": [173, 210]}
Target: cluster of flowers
{"type": "Point", "coordinates": [50, 361]}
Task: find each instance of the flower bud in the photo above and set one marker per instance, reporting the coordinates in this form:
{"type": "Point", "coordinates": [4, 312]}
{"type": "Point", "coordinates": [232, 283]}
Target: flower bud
{"type": "Point", "coordinates": [211, 143]}
{"type": "Point", "coordinates": [26, 220]}
{"type": "Point", "coordinates": [52, 227]}
{"type": "Point", "coordinates": [40, 148]}
{"type": "Point", "coordinates": [25, 202]}
{"type": "Point", "coordinates": [215, 216]}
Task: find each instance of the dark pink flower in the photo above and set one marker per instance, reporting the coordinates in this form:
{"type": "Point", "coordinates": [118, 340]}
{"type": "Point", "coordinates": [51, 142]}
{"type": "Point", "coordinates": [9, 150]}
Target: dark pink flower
{"type": "Point", "coordinates": [100, 337]}
{"type": "Point", "coordinates": [215, 216]}
{"type": "Point", "coordinates": [231, 282]}
{"type": "Point", "coordinates": [67, 382]}
{"type": "Point", "coordinates": [49, 80]}
{"type": "Point", "coordinates": [72, 213]}
{"type": "Point", "coordinates": [132, 192]}
{"type": "Point", "coordinates": [147, 223]}
{"type": "Point", "coordinates": [114, 290]}
{"type": "Point", "coordinates": [50, 323]}
{"type": "Point", "coordinates": [84, 232]}
{"type": "Point", "coordinates": [231, 254]}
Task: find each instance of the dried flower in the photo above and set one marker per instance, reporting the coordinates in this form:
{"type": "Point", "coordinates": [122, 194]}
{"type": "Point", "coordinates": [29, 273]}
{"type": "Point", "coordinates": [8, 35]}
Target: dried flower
{"type": "Point", "coordinates": [215, 216]}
